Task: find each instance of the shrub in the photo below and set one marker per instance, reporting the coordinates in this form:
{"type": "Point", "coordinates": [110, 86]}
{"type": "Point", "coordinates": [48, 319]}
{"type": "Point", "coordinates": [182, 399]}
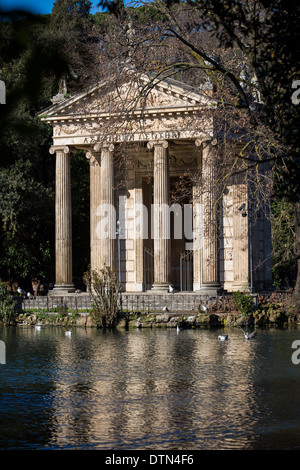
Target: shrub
{"type": "Point", "coordinates": [244, 302]}
{"type": "Point", "coordinates": [7, 305]}
{"type": "Point", "coordinates": [105, 292]}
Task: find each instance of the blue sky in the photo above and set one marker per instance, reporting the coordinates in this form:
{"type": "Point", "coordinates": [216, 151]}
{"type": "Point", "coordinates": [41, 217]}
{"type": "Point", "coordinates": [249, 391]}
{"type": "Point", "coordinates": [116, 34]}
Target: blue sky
{"type": "Point", "coordinates": [35, 6]}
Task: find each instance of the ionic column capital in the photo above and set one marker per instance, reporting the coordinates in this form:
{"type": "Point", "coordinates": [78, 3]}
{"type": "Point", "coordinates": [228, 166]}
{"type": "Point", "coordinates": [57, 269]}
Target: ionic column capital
{"type": "Point", "coordinates": [205, 140]}
{"type": "Point", "coordinates": [157, 143]}
{"type": "Point", "coordinates": [59, 148]}
{"type": "Point", "coordinates": [93, 156]}
{"type": "Point", "coordinates": [103, 146]}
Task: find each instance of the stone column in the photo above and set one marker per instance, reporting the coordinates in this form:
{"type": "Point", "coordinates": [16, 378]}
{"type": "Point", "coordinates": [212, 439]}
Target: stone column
{"type": "Point", "coordinates": [161, 216]}
{"type": "Point", "coordinates": [106, 227]}
{"type": "Point", "coordinates": [240, 234]}
{"type": "Point", "coordinates": [95, 179]}
{"type": "Point", "coordinates": [208, 263]}
{"type": "Point", "coordinates": [197, 237]}
{"type": "Point", "coordinates": [140, 216]}
{"type": "Point", "coordinates": [63, 221]}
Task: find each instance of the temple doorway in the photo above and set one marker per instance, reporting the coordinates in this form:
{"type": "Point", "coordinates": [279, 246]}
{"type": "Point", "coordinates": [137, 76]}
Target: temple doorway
{"type": "Point", "coordinates": [181, 255]}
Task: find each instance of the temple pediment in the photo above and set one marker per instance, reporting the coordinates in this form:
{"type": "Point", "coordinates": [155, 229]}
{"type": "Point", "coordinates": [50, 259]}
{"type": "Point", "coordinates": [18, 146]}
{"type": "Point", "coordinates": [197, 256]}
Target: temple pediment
{"type": "Point", "coordinates": [139, 96]}
{"type": "Point", "coordinates": [139, 109]}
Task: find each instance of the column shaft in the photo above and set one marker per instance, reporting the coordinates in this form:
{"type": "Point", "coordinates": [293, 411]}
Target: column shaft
{"type": "Point", "coordinates": [63, 221]}
{"type": "Point", "coordinates": [161, 221]}
{"type": "Point", "coordinates": [106, 226]}
{"type": "Point", "coordinates": [240, 234]}
{"type": "Point", "coordinates": [209, 244]}
{"type": "Point", "coordinates": [95, 180]}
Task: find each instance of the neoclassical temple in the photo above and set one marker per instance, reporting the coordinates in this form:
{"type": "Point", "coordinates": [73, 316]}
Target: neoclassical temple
{"type": "Point", "coordinates": [138, 150]}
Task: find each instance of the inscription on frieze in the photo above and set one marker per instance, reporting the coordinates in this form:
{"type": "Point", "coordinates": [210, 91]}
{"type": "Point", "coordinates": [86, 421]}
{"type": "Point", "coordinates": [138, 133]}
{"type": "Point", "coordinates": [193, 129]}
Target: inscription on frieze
{"type": "Point", "coordinates": [147, 136]}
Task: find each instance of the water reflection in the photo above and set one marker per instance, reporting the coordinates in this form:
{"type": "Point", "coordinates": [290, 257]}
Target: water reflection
{"type": "Point", "coordinates": [148, 389]}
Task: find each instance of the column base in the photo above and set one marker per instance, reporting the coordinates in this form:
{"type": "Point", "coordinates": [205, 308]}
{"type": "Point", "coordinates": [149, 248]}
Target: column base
{"type": "Point", "coordinates": [160, 287]}
{"type": "Point", "coordinates": [62, 289]}
{"type": "Point", "coordinates": [241, 286]}
{"type": "Point", "coordinates": [210, 289]}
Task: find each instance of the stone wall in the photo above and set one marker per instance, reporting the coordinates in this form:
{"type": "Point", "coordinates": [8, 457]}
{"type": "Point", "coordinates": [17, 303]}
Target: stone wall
{"type": "Point", "coordinates": [165, 320]}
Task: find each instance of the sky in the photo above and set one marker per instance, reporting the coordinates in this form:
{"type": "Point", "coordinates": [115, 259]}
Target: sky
{"type": "Point", "coordinates": [35, 6]}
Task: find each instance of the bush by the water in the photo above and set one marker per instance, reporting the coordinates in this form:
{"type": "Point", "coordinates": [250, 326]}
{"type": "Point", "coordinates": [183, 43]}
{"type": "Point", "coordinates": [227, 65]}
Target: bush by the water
{"type": "Point", "coordinates": [244, 302]}
{"type": "Point", "coordinates": [104, 289]}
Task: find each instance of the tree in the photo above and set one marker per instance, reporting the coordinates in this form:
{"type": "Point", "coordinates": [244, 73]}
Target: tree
{"type": "Point", "coordinates": [70, 31]}
{"type": "Point", "coordinates": [26, 170]}
{"type": "Point", "coordinates": [27, 218]}
{"type": "Point", "coordinates": [33, 59]}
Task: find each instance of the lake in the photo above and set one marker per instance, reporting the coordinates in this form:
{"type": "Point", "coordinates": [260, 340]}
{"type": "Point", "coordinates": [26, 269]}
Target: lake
{"type": "Point", "coordinates": [149, 389]}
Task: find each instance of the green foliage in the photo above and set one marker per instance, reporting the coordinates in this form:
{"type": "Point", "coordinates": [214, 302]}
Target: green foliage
{"type": "Point", "coordinates": [105, 291]}
{"type": "Point", "coordinates": [283, 241]}
{"type": "Point", "coordinates": [71, 15]}
{"type": "Point", "coordinates": [35, 52]}
{"type": "Point", "coordinates": [244, 302]}
{"type": "Point", "coordinates": [27, 216]}
{"type": "Point", "coordinates": [7, 305]}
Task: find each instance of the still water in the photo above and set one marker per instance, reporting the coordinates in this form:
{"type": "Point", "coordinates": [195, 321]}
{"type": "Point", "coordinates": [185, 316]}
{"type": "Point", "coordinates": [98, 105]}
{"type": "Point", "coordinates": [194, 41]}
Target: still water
{"type": "Point", "coordinates": [148, 389]}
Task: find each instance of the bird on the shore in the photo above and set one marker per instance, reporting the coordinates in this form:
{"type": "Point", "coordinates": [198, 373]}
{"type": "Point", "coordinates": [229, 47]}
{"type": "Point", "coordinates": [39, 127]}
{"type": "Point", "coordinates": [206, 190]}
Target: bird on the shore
{"type": "Point", "coordinates": [171, 289]}
{"type": "Point", "coordinates": [21, 291]}
{"type": "Point", "coordinates": [223, 337]}
{"type": "Point", "coordinates": [165, 309]}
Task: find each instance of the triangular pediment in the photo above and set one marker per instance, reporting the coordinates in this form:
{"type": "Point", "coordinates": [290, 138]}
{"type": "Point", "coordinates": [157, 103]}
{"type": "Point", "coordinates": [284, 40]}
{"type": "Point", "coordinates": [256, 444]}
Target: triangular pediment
{"type": "Point", "coordinates": [139, 95]}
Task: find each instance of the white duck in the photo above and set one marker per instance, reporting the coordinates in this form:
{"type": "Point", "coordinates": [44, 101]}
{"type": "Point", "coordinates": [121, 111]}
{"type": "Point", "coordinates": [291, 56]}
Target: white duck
{"type": "Point", "coordinates": [223, 337]}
